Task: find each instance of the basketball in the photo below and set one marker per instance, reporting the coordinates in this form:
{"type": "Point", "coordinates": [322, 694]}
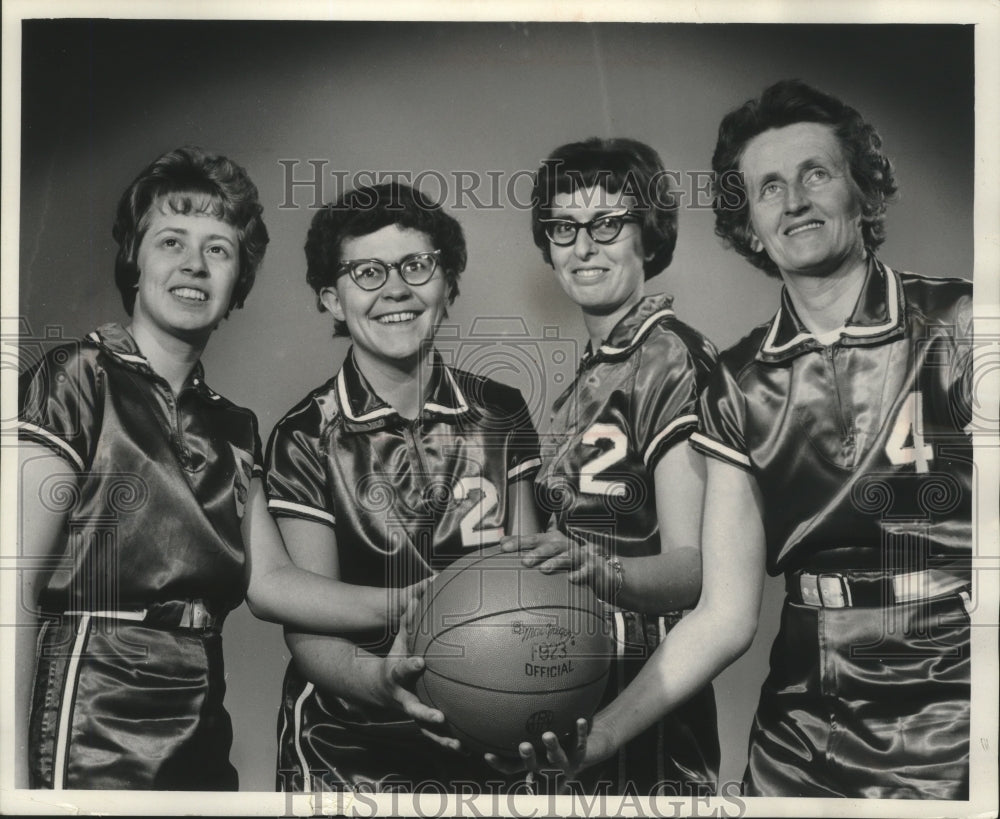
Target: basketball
{"type": "Point", "coordinates": [509, 652]}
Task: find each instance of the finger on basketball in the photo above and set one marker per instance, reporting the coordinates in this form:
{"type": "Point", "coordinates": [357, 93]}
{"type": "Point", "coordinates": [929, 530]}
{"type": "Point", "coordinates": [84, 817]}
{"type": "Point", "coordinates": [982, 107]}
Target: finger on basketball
{"type": "Point", "coordinates": [582, 733]}
{"type": "Point", "coordinates": [450, 743]}
{"type": "Point", "coordinates": [490, 654]}
{"type": "Point", "coordinates": [503, 764]}
{"type": "Point", "coordinates": [558, 563]}
{"type": "Point", "coordinates": [544, 550]}
{"type": "Point", "coordinates": [521, 543]}
{"type": "Point", "coordinates": [412, 611]}
{"type": "Point", "coordinates": [527, 753]}
{"type": "Point", "coordinates": [554, 752]}
{"type": "Point", "coordinates": [407, 670]}
{"type": "Point", "coordinates": [419, 589]}
{"type": "Point", "coordinates": [417, 711]}
{"type": "Point", "coordinates": [510, 543]}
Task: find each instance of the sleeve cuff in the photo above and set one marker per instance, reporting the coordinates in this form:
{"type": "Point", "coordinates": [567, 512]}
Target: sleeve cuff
{"type": "Point", "coordinates": [677, 430]}
{"type": "Point", "coordinates": [40, 435]}
{"type": "Point", "coordinates": [524, 470]}
{"type": "Point", "coordinates": [290, 509]}
{"type": "Point", "coordinates": [715, 449]}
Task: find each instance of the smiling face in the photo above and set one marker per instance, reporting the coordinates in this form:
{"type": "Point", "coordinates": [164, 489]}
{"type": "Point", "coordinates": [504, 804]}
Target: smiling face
{"type": "Point", "coordinates": [805, 210]}
{"type": "Point", "coordinates": [603, 279]}
{"type": "Point", "coordinates": [392, 324]}
{"type": "Point", "coordinates": [188, 265]}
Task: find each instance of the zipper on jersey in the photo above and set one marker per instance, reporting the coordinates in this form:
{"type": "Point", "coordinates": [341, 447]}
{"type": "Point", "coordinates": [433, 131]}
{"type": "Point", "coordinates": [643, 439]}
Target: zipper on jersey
{"type": "Point", "coordinates": [843, 414]}
{"type": "Point", "coordinates": [410, 430]}
{"type": "Point", "coordinates": [179, 445]}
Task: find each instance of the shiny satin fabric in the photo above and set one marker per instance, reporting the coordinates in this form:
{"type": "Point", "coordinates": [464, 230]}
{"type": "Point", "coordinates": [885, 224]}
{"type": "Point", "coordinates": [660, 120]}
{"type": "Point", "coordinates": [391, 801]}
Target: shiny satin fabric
{"type": "Point", "coordinates": [156, 488]}
{"type": "Point", "coordinates": [404, 498]}
{"type": "Point", "coordinates": [858, 447]}
{"type": "Point", "coordinates": [341, 747]}
{"type": "Point", "coordinates": [633, 399]}
{"type": "Point", "coordinates": [866, 703]}
{"type": "Point", "coordinates": [147, 713]}
{"type": "Point", "coordinates": [678, 755]}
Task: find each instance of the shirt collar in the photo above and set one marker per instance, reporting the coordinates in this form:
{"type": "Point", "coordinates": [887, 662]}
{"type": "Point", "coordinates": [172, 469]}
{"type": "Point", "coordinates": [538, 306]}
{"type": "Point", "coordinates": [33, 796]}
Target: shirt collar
{"type": "Point", "coordinates": [633, 327]}
{"type": "Point", "coordinates": [877, 317]}
{"type": "Point", "coordinates": [364, 410]}
{"type": "Point", "coordinates": [118, 343]}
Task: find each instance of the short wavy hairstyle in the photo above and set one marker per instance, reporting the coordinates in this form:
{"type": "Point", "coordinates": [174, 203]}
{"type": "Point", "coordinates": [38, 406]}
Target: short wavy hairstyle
{"type": "Point", "coordinates": [617, 165]}
{"type": "Point", "coordinates": [786, 103]}
{"type": "Point", "coordinates": [190, 180]}
{"type": "Point", "coordinates": [368, 209]}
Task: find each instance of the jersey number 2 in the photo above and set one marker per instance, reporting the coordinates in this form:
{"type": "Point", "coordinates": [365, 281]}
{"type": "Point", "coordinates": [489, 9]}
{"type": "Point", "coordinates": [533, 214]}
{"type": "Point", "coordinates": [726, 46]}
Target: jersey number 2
{"type": "Point", "coordinates": [907, 428]}
{"type": "Point", "coordinates": [591, 484]}
{"type": "Point", "coordinates": [471, 535]}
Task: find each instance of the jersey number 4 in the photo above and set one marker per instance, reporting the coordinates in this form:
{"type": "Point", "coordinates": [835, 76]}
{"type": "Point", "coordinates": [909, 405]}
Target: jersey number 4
{"type": "Point", "coordinates": [589, 482]}
{"type": "Point", "coordinates": [906, 441]}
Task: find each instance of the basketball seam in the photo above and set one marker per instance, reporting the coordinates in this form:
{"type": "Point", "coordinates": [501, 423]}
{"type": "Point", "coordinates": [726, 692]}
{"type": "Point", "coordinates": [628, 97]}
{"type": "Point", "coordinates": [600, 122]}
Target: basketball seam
{"type": "Point", "coordinates": [454, 574]}
{"type": "Point", "coordinates": [533, 692]}
{"type": "Point", "coordinates": [444, 631]}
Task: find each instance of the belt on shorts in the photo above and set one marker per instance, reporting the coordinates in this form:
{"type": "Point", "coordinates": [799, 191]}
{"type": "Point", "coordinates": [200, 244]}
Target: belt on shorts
{"type": "Point", "coordinates": [193, 614]}
{"type": "Point", "coordinates": [838, 590]}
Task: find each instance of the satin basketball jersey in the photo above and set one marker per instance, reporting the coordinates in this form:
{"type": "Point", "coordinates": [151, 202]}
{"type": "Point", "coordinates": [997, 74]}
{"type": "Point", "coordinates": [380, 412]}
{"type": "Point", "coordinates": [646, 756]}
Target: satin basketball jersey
{"type": "Point", "coordinates": [859, 447]}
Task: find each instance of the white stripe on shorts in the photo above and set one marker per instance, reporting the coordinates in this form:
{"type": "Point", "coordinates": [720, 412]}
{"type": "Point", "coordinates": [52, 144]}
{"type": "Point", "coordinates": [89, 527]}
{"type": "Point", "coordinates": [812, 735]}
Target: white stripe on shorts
{"type": "Point", "coordinates": [65, 717]}
{"type": "Point", "coordinates": [306, 778]}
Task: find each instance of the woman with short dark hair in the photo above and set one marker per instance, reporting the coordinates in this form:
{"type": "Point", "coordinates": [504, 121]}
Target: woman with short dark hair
{"type": "Point", "coordinates": [383, 475]}
{"type": "Point", "coordinates": [622, 487]}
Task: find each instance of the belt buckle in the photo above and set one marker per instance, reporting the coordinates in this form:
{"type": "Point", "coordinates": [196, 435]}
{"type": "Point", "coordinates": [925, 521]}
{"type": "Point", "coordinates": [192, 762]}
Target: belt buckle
{"type": "Point", "coordinates": [833, 591]}
{"type": "Point", "coordinates": [200, 616]}
{"type": "Point", "coordinates": [809, 588]}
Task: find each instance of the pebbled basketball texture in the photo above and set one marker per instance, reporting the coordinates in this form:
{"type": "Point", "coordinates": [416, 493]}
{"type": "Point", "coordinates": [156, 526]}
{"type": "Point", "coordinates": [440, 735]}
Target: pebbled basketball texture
{"type": "Point", "coordinates": [510, 652]}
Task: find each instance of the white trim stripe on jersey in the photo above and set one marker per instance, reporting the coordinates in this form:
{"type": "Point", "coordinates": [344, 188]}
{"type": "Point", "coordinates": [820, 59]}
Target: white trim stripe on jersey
{"type": "Point", "coordinates": [463, 405]}
{"type": "Point", "coordinates": [65, 716]}
{"type": "Point", "coordinates": [723, 451]}
{"type": "Point", "coordinates": [382, 412]}
{"type": "Point", "coordinates": [302, 509]}
{"type": "Point", "coordinates": [891, 298]}
{"type": "Point", "coordinates": [130, 357]}
{"type": "Point", "coordinates": [514, 472]}
{"type": "Point", "coordinates": [666, 431]}
{"type": "Point", "coordinates": [55, 439]}
{"type": "Point", "coordinates": [619, 635]}
{"type": "Point", "coordinates": [112, 615]}
{"type": "Point", "coordinates": [646, 326]}
{"type": "Point", "coordinates": [345, 402]}
{"type": "Point", "coordinates": [661, 754]}
{"type": "Point", "coordinates": [297, 733]}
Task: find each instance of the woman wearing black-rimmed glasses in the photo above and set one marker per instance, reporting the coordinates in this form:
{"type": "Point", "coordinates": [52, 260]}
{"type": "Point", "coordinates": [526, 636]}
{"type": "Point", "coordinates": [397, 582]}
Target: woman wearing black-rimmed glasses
{"type": "Point", "coordinates": [381, 476]}
{"type": "Point", "coordinates": [622, 487]}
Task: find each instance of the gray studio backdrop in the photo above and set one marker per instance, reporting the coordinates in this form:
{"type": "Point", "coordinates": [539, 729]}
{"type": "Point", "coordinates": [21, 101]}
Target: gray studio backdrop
{"type": "Point", "coordinates": [470, 109]}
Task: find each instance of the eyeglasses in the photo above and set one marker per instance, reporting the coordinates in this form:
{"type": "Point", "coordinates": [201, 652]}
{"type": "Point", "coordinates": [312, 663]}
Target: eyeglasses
{"type": "Point", "coordinates": [371, 274]}
{"type": "Point", "coordinates": [603, 229]}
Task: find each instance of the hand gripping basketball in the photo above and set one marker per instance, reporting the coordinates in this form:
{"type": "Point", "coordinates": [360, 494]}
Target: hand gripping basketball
{"type": "Point", "coordinates": [509, 653]}
{"type": "Point", "coordinates": [553, 551]}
